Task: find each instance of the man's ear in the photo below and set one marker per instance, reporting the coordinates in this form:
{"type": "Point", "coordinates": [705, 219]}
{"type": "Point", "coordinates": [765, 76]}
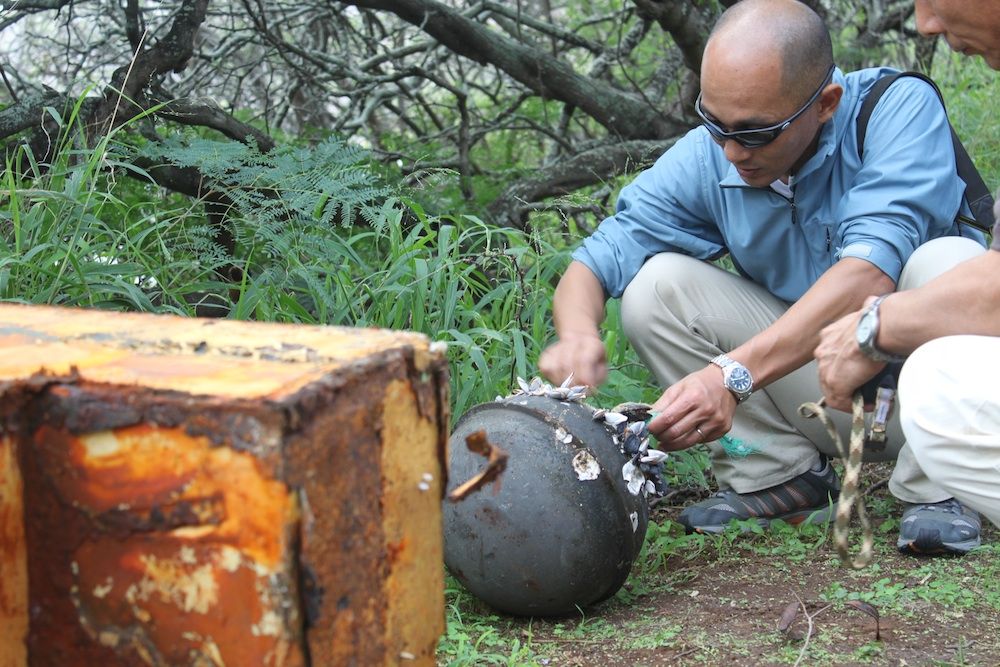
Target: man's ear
{"type": "Point", "coordinates": [829, 100]}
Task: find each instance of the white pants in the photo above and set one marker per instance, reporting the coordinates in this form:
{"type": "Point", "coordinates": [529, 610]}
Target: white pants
{"type": "Point", "coordinates": [951, 417]}
{"type": "Point", "coordinates": [679, 312]}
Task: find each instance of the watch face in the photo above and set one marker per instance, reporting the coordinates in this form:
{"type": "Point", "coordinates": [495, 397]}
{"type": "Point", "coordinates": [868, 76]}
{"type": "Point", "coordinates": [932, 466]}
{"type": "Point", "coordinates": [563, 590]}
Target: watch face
{"type": "Point", "coordinates": [739, 380]}
{"type": "Point", "coordinates": [866, 329]}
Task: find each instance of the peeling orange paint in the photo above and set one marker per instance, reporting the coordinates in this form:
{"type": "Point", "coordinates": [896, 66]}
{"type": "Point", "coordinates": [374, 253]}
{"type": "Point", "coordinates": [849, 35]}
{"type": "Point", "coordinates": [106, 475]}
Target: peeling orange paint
{"type": "Point", "coordinates": [133, 470]}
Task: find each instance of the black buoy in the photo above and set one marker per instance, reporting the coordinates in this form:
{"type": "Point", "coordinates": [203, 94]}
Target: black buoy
{"type": "Point", "coordinates": [560, 530]}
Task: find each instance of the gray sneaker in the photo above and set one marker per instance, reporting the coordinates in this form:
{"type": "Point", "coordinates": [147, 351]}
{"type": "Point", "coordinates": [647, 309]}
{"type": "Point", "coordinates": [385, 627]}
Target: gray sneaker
{"type": "Point", "coordinates": [947, 527]}
{"type": "Point", "coordinates": [812, 497]}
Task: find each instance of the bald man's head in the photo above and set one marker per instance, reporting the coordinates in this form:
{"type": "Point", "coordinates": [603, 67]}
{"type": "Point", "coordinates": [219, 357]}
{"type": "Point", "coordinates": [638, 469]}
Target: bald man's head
{"type": "Point", "coordinates": [784, 33]}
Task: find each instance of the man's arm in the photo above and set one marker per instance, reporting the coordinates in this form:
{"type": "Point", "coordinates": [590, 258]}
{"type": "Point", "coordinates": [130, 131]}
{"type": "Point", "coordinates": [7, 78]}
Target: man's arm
{"type": "Point", "coordinates": [964, 300]}
{"type": "Point", "coordinates": [578, 310]}
{"type": "Point", "coordinates": [700, 401]}
{"type": "Point", "coordinates": [788, 343]}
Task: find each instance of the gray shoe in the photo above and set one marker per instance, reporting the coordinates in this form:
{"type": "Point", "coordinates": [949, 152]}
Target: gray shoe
{"type": "Point", "coordinates": [947, 527]}
{"type": "Point", "coordinates": [811, 497]}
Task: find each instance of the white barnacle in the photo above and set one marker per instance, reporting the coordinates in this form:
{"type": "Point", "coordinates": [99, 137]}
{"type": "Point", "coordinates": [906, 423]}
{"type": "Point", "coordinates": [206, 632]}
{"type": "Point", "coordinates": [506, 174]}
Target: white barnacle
{"type": "Point", "coordinates": [586, 466]}
{"type": "Point", "coordinates": [634, 477]}
{"type": "Point", "coordinates": [614, 418]}
{"type": "Point", "coordinates": [558, 393]}
{"type": "Point", "coordinates": [654, 456]}
{"type": "Point", "coordinates": [639, 428]}
{"type": "Point", "coordinates": [599, 414]}
{"type": "Point", "coordinates": [634, 516]}
{"type": "Point", "coordinates": [566, 383]}
{"type": "Point", "coordinates": [563, 436]}
{"type": "Point", "coordinates": [523, 385]}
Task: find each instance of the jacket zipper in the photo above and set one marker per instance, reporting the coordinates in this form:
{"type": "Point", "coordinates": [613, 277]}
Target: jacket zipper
{"type": "Point", "coordinates": [795, 213]}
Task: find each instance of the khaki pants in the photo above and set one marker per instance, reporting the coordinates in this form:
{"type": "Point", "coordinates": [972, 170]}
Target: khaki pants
{"type": "Point", "coordinates": [679, 312]}
{"type": "Point", "coordinates": [951, 417]}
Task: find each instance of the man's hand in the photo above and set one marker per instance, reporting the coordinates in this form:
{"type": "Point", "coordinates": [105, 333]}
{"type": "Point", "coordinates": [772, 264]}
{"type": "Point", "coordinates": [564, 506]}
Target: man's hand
{"type": "Point", "coordinates": [843, 367]}
{"type": "Point", "coordinates": [699, 408]}
{"type": "Point", "coordinates": [582, 355]}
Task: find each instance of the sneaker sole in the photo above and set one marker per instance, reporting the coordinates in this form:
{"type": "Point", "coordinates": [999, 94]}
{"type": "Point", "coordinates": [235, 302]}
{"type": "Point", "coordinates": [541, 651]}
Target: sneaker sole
{"type": "Point", "coordinates": [812, 516]}
{"type": "Point", "coordinates": [915, 548]}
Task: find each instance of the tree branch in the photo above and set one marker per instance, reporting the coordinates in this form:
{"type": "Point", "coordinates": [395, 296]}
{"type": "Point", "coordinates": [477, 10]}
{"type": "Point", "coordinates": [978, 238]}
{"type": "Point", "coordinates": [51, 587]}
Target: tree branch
{"type": "Point", "coordinates": [29, 111]}
{"type": "Point", "coordinates": [188, 113]}
{"type": "Point", "coordinates": [681, 19]}
{"type": "Point", "coordinates": [564, 176]}
{"type": "Point", "coordinates": [169, 54]}
{"type": "Point", "coordinates": [624, 115]}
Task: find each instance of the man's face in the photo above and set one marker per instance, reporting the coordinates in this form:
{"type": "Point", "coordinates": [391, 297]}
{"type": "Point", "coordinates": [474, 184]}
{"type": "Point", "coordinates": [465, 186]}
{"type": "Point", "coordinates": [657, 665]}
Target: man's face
{"type": "Point", "coordinates": [738, 100]}
{"type": "Point", "coordinates": [971, 27]}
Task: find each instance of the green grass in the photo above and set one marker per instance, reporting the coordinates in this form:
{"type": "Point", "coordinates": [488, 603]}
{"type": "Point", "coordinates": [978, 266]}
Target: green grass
{"type": "Point", "coordinates": [971, 89]}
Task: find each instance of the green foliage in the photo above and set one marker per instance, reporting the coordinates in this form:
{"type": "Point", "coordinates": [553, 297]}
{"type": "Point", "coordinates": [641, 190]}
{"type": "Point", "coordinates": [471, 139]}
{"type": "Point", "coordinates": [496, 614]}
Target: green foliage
{"type": "Point", "coordinates": [477, 637]}
{"type": "Point", "coordinates": [74, 234]}
{"type": "Point", "coordinates": [71, 234]}
{"type": "Point", "coordinates": [943, 582]}
{"type": "Point", "coordinates": [328, 182]}
{"type": "Point", "coordinates": [970, 89]}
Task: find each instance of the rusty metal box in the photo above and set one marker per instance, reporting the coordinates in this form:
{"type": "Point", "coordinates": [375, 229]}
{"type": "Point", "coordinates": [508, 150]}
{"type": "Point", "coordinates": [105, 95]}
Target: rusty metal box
{"type": "Point", "coordinates": [180, 491]}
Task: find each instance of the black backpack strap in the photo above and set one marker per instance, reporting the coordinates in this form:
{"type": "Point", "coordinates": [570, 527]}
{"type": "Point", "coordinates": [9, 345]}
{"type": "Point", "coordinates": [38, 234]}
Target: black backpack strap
{"type": "Point", "coordinates": [976, 193]}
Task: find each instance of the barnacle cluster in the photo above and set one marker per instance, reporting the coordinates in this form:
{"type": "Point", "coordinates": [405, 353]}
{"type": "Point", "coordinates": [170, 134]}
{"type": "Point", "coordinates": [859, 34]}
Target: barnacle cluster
{"type": "Point", "coordinates": [564, 392]}
{"type": "Point", "coordinates": [643, 470]}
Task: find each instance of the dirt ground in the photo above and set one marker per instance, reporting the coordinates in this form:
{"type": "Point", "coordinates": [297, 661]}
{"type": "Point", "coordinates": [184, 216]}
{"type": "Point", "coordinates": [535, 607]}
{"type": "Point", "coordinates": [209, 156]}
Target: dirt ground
{"type": "Point", "coordinates": [723, 603]}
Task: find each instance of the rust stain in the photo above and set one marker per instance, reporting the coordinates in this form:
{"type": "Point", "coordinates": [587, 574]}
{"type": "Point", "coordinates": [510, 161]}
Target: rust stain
{"type": "Point", "coordinates": [195, 557]}
{"type": "Point", "coordinates": [146, 470]}
{"type": "Point", "coordinates": [394, 550]}
{"type": "Point", "coordinates": [334, 459]}
{"type": "Point", "coordinates": [13, 559]}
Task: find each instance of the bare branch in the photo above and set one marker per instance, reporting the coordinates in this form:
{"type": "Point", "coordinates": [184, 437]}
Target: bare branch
{"type": "Point", "coordinates": [134, 24]}
{"type": "Point", "coordinates": [29, 111]}
{"type": "Point", "coordinates": [587, 168]}
{"type": "Point", "coordinates": [624, 115]}
{"type": "Point", "coordinates": [681, 19]}
{"type": "Point", "coordinates": [203, 115]}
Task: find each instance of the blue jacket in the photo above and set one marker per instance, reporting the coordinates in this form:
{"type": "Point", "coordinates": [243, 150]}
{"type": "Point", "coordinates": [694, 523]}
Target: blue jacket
{"type": "Point", "coordinates": [905, 192]}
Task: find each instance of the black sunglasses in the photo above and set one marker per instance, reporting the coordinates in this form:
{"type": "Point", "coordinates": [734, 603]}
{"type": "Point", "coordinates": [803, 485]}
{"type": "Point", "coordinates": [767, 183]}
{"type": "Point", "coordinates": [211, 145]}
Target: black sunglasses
{"type": "Point", "coordinates": [757, 137]}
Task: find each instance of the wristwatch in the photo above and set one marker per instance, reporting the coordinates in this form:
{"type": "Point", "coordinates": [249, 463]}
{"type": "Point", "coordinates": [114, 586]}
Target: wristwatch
{"type": "Point", "coordinates": [735, 377]}
{"type": "Point", "coordinates": [867, 332]}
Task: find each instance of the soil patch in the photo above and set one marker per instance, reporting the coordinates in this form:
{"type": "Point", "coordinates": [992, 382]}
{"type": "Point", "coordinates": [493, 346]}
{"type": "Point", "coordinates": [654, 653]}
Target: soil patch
{"type": "Point", "coordinates": [720, 600]}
